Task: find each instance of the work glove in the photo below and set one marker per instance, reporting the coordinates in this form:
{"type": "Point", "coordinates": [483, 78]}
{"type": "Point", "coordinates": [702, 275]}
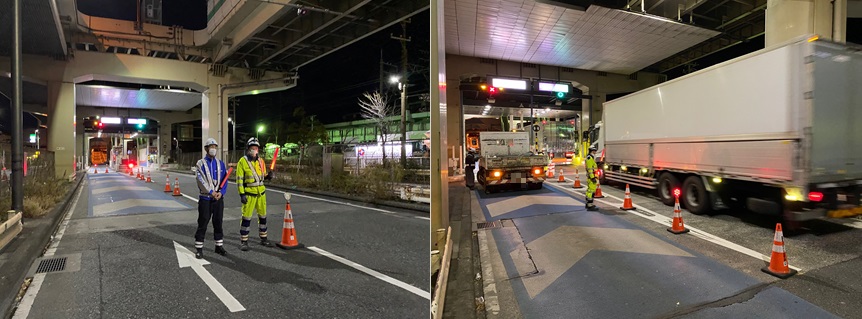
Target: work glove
{"type": "Point", "coordinates": [594, 180]}
{"type": "Point", "coordinates": [243, 198]}
{"type": "Point", "coordinates": [268, 176]}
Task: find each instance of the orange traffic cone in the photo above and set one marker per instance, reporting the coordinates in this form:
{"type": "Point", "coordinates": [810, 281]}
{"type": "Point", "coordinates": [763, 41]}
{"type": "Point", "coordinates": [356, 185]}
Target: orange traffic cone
{"type": "Point", "coordinates": [778, 263]}
{"type": "Point", "coordinates": [627, 202]}
{"type": "Point", "coordinates": [149, 180]}
{"type": "Point", "coordinates": [678, 227]}
{"type": "Point", "coordinates": [177, 188]}
{"type": "Point", "coordinates": [562, 179]}
{"type": "Point", "coordinates": [288, 232]}
{"type": "Point", "coordinates": [95, 169]}
{"type": "Point", "coordinates": [551, 170]}
{"type": "Point", "coordinates": [598, 193]}
{"type": "Point", "coordinates": [141, 175]}
{"type": "Point", "coordinates": [106, 170]}
{"type": "Point", "coordinates": [131, 172]}
{"type": "Point", "coordinates": [168, 184]}
{"type": "Point", "coordinates": [577, 180]}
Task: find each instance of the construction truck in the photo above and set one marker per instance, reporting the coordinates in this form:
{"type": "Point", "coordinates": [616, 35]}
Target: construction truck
{"type": "Point", "coordinates": [774, 132]}
{"type": "Point", "coordinates": [507, 162]}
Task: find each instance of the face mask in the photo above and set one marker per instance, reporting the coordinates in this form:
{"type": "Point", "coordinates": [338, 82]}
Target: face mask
{"type": "Point", "coordinates": [252, 153]}
{"type": "Point", "coordinates": [213, 151]}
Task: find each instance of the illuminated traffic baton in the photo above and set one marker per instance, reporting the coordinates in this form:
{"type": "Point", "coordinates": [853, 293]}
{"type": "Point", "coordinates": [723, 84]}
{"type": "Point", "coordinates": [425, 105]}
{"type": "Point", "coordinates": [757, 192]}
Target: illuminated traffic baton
{"type": "Point", "coordinates": [272, 166]}
{"type": "Point", "coordinates": [226, 177]}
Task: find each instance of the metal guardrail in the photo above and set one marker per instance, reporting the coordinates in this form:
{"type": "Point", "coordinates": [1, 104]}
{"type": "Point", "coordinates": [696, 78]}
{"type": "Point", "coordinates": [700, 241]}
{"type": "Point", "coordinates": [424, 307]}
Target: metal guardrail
{"type": "Point", "coordinates": [438, 302]}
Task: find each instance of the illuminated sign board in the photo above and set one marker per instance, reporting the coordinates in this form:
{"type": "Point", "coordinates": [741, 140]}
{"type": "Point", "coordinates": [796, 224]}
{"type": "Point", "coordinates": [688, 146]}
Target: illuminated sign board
{"type": "Point", "coordinates": [509, 84]}
{"type": "Point", "coordinates": [112, 120]}
{"type": "Point", "coordinates": [136, 121]}
{"type": "Point", "coordinates": [553, 87]}
{"type": "Point", "coordinates": [32, 138]}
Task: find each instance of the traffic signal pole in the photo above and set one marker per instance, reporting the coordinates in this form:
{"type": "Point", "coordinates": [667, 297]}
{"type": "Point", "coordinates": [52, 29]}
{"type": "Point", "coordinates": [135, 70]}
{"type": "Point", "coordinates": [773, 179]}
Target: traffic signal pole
{"type": "Point", "coordinates": [17, 112]}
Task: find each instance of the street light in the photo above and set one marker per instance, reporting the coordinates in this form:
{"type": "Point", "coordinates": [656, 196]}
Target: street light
{"type": "Point", "coordinates": [402, 86]}
{"type": "Point", "coordinates": [259, 130]}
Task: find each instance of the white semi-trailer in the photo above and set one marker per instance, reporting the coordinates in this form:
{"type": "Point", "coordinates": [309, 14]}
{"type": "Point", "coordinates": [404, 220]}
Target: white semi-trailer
{"type": "Point", "coordinates": [778, 131]}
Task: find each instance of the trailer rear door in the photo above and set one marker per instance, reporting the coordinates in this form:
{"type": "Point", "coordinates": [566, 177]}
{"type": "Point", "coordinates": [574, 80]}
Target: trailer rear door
{"type": "Point", "coordinates": [837, 113]}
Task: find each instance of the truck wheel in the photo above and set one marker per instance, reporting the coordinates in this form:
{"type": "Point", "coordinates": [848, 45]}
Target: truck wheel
{"type": "Point", "coordinates": [666, 183]}
{"type": "Point", "coordinates": [695, 196]}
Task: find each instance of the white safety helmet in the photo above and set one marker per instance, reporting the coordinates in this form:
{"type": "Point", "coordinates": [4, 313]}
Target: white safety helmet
{"type": "Point", "coordinates": [210, 141]}
{"type": "Point", "coordinates": [253, 142]}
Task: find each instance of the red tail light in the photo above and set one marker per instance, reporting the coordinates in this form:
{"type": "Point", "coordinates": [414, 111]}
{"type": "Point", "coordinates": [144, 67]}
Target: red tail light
{"type": "Point", "coordinates": [131, 165]}
{"type": "Point", "coordinates": [815, 196]}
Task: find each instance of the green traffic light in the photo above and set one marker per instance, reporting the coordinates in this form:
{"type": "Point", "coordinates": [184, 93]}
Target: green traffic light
{"type": "Point", "coordinates": [140, 126]}
{"type": "Point", "coordinates": [561, 95]}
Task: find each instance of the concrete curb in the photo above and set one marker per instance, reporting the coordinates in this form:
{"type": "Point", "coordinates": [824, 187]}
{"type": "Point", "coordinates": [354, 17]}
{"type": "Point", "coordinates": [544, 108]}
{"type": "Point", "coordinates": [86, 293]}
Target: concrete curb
{"type": "Point", "coordinates": [415, 207]}
{"type": "Point", "coordinates": [25, 253]}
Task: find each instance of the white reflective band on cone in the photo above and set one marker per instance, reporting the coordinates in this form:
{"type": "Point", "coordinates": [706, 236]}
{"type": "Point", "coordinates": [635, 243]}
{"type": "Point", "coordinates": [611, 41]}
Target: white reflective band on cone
{"type": "Point", "coordinates": [778, 248]}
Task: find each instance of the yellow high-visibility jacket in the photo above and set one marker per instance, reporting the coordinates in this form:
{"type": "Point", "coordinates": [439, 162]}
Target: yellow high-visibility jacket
{"type": "Point", "coordinates": [591, 167]}
{"type": "Point", "coordinates": [249, 176]}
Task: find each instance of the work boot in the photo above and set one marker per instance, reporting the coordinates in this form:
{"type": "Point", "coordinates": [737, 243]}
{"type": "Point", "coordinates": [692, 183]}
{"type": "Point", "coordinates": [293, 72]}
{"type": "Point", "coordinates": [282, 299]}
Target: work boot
{"type": "Point", "coordinates": [220, 250]}
{"type": "Point", "coordinates": [243, 246]}
{"type": "Point", "coordinates": [592, 208]}
{"type": "Point", "coordinates": [265, 242]}
{"type": "Point", "coordinates": [200, 253]}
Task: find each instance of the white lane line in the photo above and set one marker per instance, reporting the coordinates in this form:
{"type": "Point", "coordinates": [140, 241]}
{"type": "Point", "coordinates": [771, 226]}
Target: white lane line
{"type": "Point", "coordinates": [667, 221]}
{"type": "Point", "coordinates": [189, 197]}
{"type": "Point", "coordinates": [420, 217]}
{"type": "Point", "coordinates": [396, 282]}
{"type": "Point", "coordinates": [332, 201]}
{"type": "Point", "coordinates": [29, 298]}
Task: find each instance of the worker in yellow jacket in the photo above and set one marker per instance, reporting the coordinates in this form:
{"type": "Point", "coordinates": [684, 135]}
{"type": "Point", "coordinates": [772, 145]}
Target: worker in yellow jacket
{"type": "Point", "coordinates": [250, 175]}
{"type": "Point", "coordinates": [592, 177]}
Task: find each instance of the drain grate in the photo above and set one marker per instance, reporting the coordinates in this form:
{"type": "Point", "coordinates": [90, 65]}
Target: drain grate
{"type": "Point", "coordinates": [494, 224]}
{"type": "Point", "coordinates": [51, 265]}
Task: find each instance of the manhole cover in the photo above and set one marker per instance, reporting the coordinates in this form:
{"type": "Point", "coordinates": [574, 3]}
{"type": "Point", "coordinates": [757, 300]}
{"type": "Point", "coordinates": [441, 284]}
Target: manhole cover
{"type": "Point", "coordinates": [51, 265]}
{"type": "Point", "coordinates": [495, 224]}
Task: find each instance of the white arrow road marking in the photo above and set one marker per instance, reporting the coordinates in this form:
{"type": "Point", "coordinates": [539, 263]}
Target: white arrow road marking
{"type": "Point", "coordinates": [667, 221]}
{"type": "Point", "coordinates": [396, 282]}
{"type": "Point", "coordinates": [185, 258]}
{"type": "Point", "coordinates": [556, 252]}
{"type": "Point", "coordinates": [518, 202]}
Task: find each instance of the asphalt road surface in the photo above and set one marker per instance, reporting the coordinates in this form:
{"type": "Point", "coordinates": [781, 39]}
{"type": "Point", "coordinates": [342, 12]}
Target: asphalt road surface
{"type": "Point", "coordinates": [127, 249]}
{"type": "Point", "coordinates": [550, 258]}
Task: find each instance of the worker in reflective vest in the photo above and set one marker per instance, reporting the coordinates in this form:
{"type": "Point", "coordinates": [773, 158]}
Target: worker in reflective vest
{"type": "Point", "coordinates": [210, 172]}
{"type": "Point", "coordinates": [592, 178]}
{"type": "Point", "coordinates": [250, 175]}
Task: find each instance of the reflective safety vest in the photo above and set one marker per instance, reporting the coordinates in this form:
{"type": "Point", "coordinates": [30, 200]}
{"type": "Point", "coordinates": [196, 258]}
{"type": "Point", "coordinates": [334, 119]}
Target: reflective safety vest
{"type": "Point", "coordinates": [249, 176]}
{"type": "Point", "coordinates": [591, 166]}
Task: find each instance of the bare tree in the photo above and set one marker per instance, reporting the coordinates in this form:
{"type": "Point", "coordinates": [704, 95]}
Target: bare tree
{"type": "Point", "coordinates": [376, 107]}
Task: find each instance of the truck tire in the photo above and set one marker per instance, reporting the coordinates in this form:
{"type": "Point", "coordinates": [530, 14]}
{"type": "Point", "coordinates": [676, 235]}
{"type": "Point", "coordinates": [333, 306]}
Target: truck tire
{"type": "Point", "coordinates": [666, 183]}
{"type": "Point", "coordinates": [695, 196]}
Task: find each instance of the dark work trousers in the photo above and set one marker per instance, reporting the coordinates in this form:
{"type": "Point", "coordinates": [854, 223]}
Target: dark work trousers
{"type": "Point", "coordinates": [210, 209]}
{"type": "Point", "coordinates": [469, 177]}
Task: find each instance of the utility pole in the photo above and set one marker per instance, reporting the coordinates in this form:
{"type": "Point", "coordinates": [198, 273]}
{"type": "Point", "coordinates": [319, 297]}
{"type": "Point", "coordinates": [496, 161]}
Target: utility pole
{"type": "Point", "coordinates": [17, 112]}
{"type": "Point", "coordinates": [403, 86]}
{"type": "Point", "coordinates": [381, 71]}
